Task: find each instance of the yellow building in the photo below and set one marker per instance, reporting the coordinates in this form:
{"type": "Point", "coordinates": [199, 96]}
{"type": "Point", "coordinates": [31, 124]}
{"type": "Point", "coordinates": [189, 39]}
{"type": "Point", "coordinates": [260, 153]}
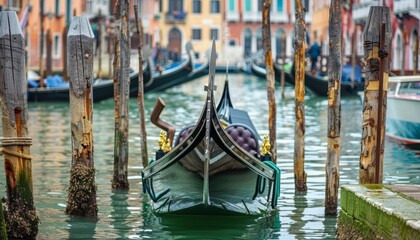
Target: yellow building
{"type": "Point", "coordinates": [178, 21]}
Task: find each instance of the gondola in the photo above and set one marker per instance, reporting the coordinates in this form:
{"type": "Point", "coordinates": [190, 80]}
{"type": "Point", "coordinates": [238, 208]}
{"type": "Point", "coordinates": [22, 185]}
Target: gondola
{"type": "Point", "coordinates": [319, 84]}
{"type": "Point", "coordinates": [212, 169]}
{"type": "Point", "coordinates": [155, 81]}
{"type": "Point", "coordinates": [102, 89]}
{"type": "Point", "coordinates": [261, 72]}
{"type": "Point", "coordinates": [316, 84]}
{"type": "Point", "coordinates": [198, 71]}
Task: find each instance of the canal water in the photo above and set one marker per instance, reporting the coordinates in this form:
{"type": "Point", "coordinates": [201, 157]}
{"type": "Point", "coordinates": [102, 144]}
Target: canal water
{"type": "Point", "coordinates": [128, 215]}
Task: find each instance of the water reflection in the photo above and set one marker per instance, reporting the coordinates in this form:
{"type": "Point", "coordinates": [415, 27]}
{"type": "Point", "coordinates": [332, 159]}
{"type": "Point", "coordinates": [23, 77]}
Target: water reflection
{"type": "Point", "coordinates": [81, 228]}
{"type": "Point", "coordinates": [297, 226]}
{"type": "Point", "coordinates": [128, 215]}
{"type": "Point", "coordinates": [120, 213]}
{"type": "Point", "coordinates": [210, 227]}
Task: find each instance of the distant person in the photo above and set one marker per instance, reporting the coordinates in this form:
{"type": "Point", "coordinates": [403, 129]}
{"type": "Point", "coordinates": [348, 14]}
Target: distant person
{"type": "Point", "coordinates": [314, 53]}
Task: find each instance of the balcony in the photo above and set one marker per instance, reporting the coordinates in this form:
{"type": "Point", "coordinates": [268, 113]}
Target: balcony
{"type": "Point", "coordinates": [405, 6]}
{"type": "Point", "coordinates": [252, 16]}
{"type": "Point", "coordinates": [232, 16]}
{"type": "Point", "coordinates": [279, 17]}
{"type": "Point", "coordinates": [176, 17]}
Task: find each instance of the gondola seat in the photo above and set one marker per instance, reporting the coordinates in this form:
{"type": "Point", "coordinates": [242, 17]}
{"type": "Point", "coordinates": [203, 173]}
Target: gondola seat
{"type": "Point", "coordinates": [244, 137]}
{"type": "Point", "coordinates": [241, 134]}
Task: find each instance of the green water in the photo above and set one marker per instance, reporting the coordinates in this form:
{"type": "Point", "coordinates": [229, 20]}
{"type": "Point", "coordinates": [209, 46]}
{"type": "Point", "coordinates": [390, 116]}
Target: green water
{"type": "Point", "coordinates": [129, 215]}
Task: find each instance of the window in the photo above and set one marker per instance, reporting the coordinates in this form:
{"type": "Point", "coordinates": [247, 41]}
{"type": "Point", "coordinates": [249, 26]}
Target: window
{"type": "Point", "coordinates": [232, 42]}
{"type": "Point", "coordinates": [306, 5]}
{"type": "Point", "coordinates": [214, 6]}
{"type": "Point", "coordinates": [14, 4]}
{"type": "Point", "coordinates": [196, 34]}
{"type": "Point", "coordinates": [214, 34]}
{"type": "Point", "coordinates": [56, 51]}
{"type": "Point", "coordinates": [231, 5]}
{"type": "Point", "coordinates": [57, 8]}
{"type": "Point", "coordinates": [279, 5]}
{"type": "Point", "coordinates": [89, 6]}
{"type": "Point", "coordinates": [196, 6]}
{"type": "Point", "coordinates": [247, 42]}
{"type": "Point", "coordinates": [248, 5]}
{"type": "Point", "coordinates": [176, 5]}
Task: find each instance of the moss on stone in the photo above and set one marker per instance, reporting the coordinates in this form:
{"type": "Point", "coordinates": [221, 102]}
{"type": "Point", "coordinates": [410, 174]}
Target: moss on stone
{"type": "Point", "coordinates": [82, 192]}
{"type": "Point", "coordinates": [350, 228]}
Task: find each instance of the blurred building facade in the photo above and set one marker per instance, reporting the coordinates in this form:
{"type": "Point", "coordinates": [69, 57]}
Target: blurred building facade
{"type": "Point", "coordinates": [175, 22]}
{"type": "Point", "coordinates": [235, 24]}
{"type": "Point", "coordinates": [405, 20]}
{"type": "Point", "coordinates": [244, 27]}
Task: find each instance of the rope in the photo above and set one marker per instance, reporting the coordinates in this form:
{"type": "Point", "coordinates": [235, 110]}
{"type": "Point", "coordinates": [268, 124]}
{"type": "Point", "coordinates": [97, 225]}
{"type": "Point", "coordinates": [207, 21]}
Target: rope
{"type": "Point", "coordinates": [15, 141]}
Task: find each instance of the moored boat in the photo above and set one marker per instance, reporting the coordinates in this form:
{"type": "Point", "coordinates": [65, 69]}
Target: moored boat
{"type": "Point", "coordinates": [214, 166]}
{"type": "Point", "coordinates": [403, 106]}
{"type": "Point", "coordinates": [159, 81]}
{"type": "Point", "coordinates": [318, 83]}
{"type": "Point", "coordinates": [102, 89]}
{"type": "Point", "coordinates": [261, 72]}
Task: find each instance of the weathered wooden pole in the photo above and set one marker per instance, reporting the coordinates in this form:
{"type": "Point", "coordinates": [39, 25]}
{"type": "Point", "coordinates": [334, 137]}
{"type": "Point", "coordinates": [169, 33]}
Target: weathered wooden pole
{"type": "Point", "coordinates": [111, 50]}
{"type": "Point", "coordinates": [283, 53]}
{"type": "Point", "coordinates": [299, 151]}
{"type": "Point", "coordinates": [377, 37]}
{"type": "Point", "coordinates": [64, 35]}
{"type": "Point", "coordinates": [121, 96]}
{"type": "Point", "coordinates": [48, 44]}
{"type": "Point", "coordinates": [20, 214]}
{"type": "Point", "coordinates": [140, 96]}
{"type": "Point", "coordinates": [82, 189]}
{"type": "Point", "coordinates": [353, 57]}
{"type": "Point", "coordinates": [41, 47]}
{"type": "Point", "coordinates": [416, 54]}
{"type": "Point", "coordinates": [334, 109]}
{"type": "Point", "coordinates": [270, 78]}
{"type": "Point", "coordinates": [99, 42]}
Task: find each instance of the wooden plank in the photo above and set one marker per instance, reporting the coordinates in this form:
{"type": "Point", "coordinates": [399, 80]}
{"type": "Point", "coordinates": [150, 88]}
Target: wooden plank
{"type": "Point", "coordinates": [21, 219]}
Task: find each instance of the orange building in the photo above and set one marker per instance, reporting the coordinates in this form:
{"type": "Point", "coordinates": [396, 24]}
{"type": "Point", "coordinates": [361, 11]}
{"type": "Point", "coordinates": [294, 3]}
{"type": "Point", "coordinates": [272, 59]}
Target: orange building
{"type": "Point", "coordinates": [54, 23]}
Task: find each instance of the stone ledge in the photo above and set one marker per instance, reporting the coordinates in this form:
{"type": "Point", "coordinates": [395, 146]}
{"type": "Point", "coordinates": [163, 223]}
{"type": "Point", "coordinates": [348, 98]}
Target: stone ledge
{"type": "Point", "coordinates": [375, 211]}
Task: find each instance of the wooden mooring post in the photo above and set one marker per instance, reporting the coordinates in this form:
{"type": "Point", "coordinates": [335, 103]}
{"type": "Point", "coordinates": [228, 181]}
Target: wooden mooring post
{"type": "Point", "coordinates": [121, 96]}
{"type": "Point", "coordinates": [140, 97]}
{"type": "Point", "coordinates": [334, 109]}
{"type": "Point", "coordinates": [20, 214]}
{"type": "Point", "coordinates": [283, 54]}
{"type": "Point", "coordinates": [82, 189]}
{"type": "Point", "coordinates": [270, 78]}
{"type": "Point", "coordinates": [99, 44]}
{"type": "Point", "coordinates": [41, 46]}
{"type": "Point", "coordinates": [377, 45]}
{"type": "Point", "coordinates": [299, 150]}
